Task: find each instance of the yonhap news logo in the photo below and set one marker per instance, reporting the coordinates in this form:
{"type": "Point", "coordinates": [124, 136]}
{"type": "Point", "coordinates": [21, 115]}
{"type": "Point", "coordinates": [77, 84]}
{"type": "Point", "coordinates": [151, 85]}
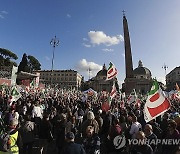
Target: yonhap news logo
{"type": "Point", "coordinates": [120, 141]}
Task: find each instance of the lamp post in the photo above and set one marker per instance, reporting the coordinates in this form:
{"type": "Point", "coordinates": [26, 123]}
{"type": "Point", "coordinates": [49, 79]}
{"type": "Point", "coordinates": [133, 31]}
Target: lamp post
{"type": "Point", "coordinates": [89, 71]}
{"type": "Point", "coordinates": [165, 68]}
{"type": "Point", "coordinates": [54, 42]}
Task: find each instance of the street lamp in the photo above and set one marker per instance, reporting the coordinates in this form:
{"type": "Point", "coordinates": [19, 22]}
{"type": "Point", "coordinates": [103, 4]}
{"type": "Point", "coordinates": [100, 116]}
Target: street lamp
{"type": "Point", "coordinates": [165, 67]}
{"type": "Point", "coordinates": [89, 71]}
{"type": "Point", "coordinates": [54, 42]}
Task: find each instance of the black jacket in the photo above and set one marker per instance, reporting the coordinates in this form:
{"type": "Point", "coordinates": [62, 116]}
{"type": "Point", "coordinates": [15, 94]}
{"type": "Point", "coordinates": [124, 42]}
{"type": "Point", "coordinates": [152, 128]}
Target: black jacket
{"type": "Point", "coordinates": [73, 148]}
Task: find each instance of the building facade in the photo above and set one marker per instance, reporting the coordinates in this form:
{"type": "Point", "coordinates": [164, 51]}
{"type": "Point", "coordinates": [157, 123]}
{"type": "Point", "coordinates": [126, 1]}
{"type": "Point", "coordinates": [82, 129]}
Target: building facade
{"type": "Point", "coordinates": [99, 82]}
{"type": "Point", "coordinates": [68, 79]}
{"type": "Point", "coordinates": [172, 78]}
{"type": "Point", "coordinates": [143, 78]}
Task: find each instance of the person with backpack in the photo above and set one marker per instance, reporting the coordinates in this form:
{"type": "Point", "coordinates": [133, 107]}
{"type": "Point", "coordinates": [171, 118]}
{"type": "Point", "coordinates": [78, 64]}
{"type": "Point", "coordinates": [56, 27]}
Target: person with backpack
{"type": "Point", "coordinates": [10, 139]}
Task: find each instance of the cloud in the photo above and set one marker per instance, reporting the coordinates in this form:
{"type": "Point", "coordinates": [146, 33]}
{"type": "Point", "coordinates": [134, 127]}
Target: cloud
{"type": "Point", "coordinates": [108, 50]}
{"type": "Point", "coordinates": [68, 15]}
{"type": "Point", "coordinates": [2, 14]}
{"type": "Point", "coordinates": [83, 65]}
{"type": "Point", "coordinates": [47, 58]}
{"type": "Point", "coordinates": [86, 45]}
{"type": "Point", "coordinates": [99, 37]}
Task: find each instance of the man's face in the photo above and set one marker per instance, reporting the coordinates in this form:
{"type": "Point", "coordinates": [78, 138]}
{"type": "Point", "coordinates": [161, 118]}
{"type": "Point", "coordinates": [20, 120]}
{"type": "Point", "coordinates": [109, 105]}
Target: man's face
{"type": "Point", "coordinates": [89, 131]}
{"type": "Point", "coordinates": [147, 130]}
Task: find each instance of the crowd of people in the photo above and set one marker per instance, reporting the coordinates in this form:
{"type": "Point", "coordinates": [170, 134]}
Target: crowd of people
{"type": "Point", "coordinates": [67, 123]}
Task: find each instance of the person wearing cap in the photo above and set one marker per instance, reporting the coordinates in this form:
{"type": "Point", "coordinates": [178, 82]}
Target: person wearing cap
{"type": "Point", "coordinates": [72, 147]}
{"type": "Point", "coordinates": [15, 138]}
{"type": "Point", "coordinates": [90, 122]}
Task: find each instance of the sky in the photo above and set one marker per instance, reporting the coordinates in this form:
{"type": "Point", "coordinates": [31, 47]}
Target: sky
{"type": "Point", "coordinates": [91, 33]}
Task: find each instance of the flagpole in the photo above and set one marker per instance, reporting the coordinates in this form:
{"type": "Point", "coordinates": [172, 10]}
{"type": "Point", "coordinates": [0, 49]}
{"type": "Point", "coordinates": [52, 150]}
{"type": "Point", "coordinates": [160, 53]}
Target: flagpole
{"type": "Point", "coordinates": [54, 42]}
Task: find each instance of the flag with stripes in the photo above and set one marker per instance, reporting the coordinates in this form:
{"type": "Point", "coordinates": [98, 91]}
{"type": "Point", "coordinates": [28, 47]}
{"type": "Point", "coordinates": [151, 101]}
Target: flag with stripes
{"type": "Point", "coordinates": [156, 103]}
{"type": "Point", "coordinates": [111, 72]}
{"type": "Point", "coordinates": [113, 92]}
{"type": "Point", "coordinates": [132, 97]}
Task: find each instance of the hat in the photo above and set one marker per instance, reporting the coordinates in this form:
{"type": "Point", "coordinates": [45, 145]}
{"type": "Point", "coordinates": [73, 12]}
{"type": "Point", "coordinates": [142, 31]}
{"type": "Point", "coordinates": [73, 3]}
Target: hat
{"type": "Point", "coordinates": [70, 135]}
{"type": "Point", "coordinates": [90, 115]}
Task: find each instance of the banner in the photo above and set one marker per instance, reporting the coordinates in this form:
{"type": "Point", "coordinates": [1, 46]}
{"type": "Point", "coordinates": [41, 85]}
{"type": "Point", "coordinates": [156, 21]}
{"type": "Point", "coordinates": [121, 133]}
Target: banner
{"type": "Point", "coordinates": [37, 80]}
{"type": "Point", "coordinates": [14, 75]}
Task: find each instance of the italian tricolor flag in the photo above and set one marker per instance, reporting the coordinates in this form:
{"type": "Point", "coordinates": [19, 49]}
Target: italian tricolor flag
{"type": "Point", "coordinates": [113, 91]}
{"type": "Point", "coordinates": [15, 94]}
{"type": "Point", "coordinates": [156, 103]}
{"type": "Point", "coordinates": [111, 72]}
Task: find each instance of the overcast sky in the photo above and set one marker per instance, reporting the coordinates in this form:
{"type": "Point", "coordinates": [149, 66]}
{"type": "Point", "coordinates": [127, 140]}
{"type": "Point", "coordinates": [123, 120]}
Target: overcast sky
{"type": "Point", "coordinates": [91, 33]}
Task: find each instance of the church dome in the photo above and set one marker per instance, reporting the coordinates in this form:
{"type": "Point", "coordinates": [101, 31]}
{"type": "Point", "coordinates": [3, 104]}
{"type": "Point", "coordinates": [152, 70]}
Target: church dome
{"type": "Point", "coordinates": [102, 72]}
{"type": "Point", "coordinates": [140, 70]}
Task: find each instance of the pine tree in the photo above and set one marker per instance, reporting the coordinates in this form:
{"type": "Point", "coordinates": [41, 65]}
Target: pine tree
{"type": "Point", "coordinates": [23, 66]}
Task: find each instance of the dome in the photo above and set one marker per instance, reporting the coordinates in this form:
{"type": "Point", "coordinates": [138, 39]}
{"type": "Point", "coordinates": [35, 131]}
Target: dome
{"type": "Point", "coordinates": [102, 72]}
{"type": "Point", "coordinates": [140, 70]}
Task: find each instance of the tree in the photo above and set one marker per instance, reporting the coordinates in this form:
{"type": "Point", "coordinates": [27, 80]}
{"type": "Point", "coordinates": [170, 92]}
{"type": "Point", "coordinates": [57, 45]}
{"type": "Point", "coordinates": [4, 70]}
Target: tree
{"type": "Point", "coordinates": [7, 57]}
{"type": "Point", "coordinates": [34, 63]}
{"type": "Point", "coordinates": [23, 66]}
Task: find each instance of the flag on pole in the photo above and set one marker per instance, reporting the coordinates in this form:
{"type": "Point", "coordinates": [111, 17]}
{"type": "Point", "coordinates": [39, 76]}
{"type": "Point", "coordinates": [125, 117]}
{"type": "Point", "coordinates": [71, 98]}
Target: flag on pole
{"type": "Point", "coordinates": [156, 103]}
{"type": "Point", "coordinates": [111, 72]}
{"type": "Point", "coordinates": [132, 97]}
{"type": "Point", "coordinates": [113, 92]}
{"type": "Point", "coordinates": [15, 94]}
{"type": "Point", "coordinates": [32, 84]}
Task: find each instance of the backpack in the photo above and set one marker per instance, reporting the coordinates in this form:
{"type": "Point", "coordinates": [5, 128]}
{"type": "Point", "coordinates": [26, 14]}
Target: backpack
{"type": "Point", "coordinates": [5, 141]}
